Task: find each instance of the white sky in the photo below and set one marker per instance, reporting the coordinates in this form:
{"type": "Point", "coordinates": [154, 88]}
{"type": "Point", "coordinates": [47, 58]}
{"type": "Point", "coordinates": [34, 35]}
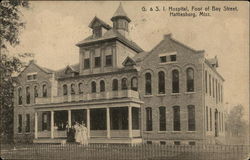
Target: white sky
{"type": "Point", "coordinates": [53, 29]}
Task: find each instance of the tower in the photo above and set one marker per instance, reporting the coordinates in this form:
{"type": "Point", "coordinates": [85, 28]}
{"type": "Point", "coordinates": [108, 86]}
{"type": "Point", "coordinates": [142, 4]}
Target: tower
{"type": "Point", "coordinates": [121, 21]}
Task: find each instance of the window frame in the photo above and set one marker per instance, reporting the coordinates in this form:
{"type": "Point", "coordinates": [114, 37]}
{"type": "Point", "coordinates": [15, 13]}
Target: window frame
{"type": "Point", "coordinates": [162, 118]}
{"type": "Point", "coordinates": [149, 120]}
{"type": "Point", "coordinates": [175, 81]}
{"type": "Point", "coordinates": [190, 79]}
{"type": "Point", "coordinates": [148, 83]}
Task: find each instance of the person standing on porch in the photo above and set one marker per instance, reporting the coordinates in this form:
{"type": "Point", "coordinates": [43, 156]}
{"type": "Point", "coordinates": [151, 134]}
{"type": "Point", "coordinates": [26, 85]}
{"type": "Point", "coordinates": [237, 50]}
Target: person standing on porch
{"type": "Point", "coordinates": [77, 132]}
{"type": "Point", "coordinates": [84, 134]}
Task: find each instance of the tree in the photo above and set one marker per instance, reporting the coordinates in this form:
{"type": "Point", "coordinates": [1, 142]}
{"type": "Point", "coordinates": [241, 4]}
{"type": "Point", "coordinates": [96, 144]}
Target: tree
{"type": "Point", "coordinates": [235, 123]}
{"type": "Point", "coordinates": [11, 25]}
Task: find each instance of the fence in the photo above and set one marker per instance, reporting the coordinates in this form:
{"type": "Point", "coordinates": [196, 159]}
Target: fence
{"type": "Point", "coordinates": [125, 152]}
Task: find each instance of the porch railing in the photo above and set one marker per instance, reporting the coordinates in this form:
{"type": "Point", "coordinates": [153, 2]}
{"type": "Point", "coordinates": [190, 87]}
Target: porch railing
{"type": "Point", "coordinates": [88, 97]}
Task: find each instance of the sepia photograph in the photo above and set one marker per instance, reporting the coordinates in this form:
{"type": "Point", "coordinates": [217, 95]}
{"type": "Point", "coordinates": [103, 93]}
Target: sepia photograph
{"type": "Point", "coordinates": [124, 80]}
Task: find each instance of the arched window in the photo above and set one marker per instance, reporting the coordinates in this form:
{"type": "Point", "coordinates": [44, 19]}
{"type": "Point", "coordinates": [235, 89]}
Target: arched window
{"type": "Point", "coordinates": [134, 84]}
{"type": "Point", "coordinates": [20, 96]}
{"type": "Point", "coordinates": [177, 118]}
{"type": "Point", "coordinates": [149, 121]}
{"type": "Point", "coordinates": [190, 80]}
{"type": "Point", "coordinates": [148, 86]}
{"type": "Point", "coordinates": [72, 88]}
{"type": "Point", "coordinates": [162, 118]}
{"type": "Point", "coordinates": [65, 90]}
{"type": "Point", "coordinates": [102, 86]}
{"type": "Point", "coordinates": [175, 81]}
{"type": "Point", "coordinates": [191, 118]}
{"type": "Point", "coordinates": [124, 84]}
{"type": "Point", "coordinates": [35, 93]}
{"type": "Point", "coordinates": [80, 88]}
{"type": "Point", "coordinates": [115, 85]}
{"type": "Point", "coordinates": [161, 82]}
{"type": "Point", "coordinates": [44, 90]}
{"type": "Point", "coordinates": [28, 95]}
{"type": "Point", "coordinates": [93, 87]}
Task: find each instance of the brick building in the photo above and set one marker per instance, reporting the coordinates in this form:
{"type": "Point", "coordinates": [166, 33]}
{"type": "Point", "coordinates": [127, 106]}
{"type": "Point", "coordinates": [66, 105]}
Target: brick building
{"type": "Point", "coordinates": [169, 95]}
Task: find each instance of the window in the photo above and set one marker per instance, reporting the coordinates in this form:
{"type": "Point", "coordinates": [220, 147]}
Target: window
{"type": "Point", "coordinates": [210, 119]}
{"type": "Point", "coordinates": [177, 124]}
{"type": "Point", "coordinates": [102, 86]}
{"type": "Point", "coordinates": [109, 60]}
{"type": "Point", "coordinates": [86, 63]}
{"type": "Point", "coordinates": [72, 88]}
{"type": "Point", "coordinates": [28, 95]}
{"type": "Point", "coordinates": [44, 121]}
{"type": "Point", "coordinates": [44, 90]}
{"type": "Point", "coordinates": [35, 91]}
{"type": "Point", "coordinates": [19, 96]}
{"type": "Point", "coordinates": [175, 81]}
{"type": "Point", "coordinates": [163, 59]}
{"type": "Point", "coordinates": [161, 82]}
{"type": "Point", "coordinates": [93, 87]}
{"type": "Point", "coordinates": [134, 84]}
{"type": "Point", "coordinates": [65, 90]}
{"type": "Point", "coordinates": [216, 91]}
{"type": "Point", "coordinates": [148, 86]}
{"type": "Point", "coordinates": [177, 143]}
{"type": "Point", "coordinates": [29, 77]}
{"type": "Point", "coordinates": [191, 118]}
{"type": "Point", "coordinates": [213, 87]}
{"type": "Point", "coordinates": [27, 127]}
{"type": "Point", "coordinates": [207, 117]}
{"type": "Point", "coordinates": [149, 142]}
{"type": "Point", "coordinates": [97, 61]}
{"type": "Point", "coordinates": [115, 85]}
{"type": "Point", "coordinates": [162, 142]}
{"type": "Point", "coordinates": [191, 143]}
{"type": "Point", "coordinates": [172, 58]}
{"type": "Point", "coordinates": [97, 32]}
{"type": "Point", "coordinates": [19, 128]}
{"type": "Point", "coordinates": [80, 88]}
{"type": "Point", "coordinates": [209, 84]}
{"type": "Point", "coordinates": [162, 118]}
{"type": "Point", "coordinates": [190, 80]}
{"type": "Point", "coordinates": [124, 84]}
{"type": "Point", "coordinates": [149, 124]}
{"type": "Point", "coordinates": [206, 81]}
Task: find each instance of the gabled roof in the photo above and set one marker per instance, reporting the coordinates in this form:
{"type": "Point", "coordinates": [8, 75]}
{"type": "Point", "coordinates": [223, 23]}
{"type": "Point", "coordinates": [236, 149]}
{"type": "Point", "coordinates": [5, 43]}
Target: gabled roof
{"type": "Point", "coordinates": [140, 56]}
{"type": "Point", "coordinates": [111, 34]}
{"type": "Point", "coordinates": [105, 25]}
{"type": "Point", "coordinates": [46, 70]}
{"type": "Point", "coordinates": [120, 13]}
{"type": "Point", "coordinates": [128, 62]}
{"type": "Point", "coordinates": [61, 72]}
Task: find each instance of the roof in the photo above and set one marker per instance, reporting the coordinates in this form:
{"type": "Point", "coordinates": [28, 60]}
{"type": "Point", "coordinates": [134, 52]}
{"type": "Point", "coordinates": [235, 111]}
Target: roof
{"type": "Point", "coordinates": [111, 34]}
{"type": "Point", "coordinates": [105, 25]}
{"type": "Point", "coordinates": [140, 56]}
{"type": "Point", "coordinates": [120, 13]}
{"type": "Point", "coordinates": [61, 72]}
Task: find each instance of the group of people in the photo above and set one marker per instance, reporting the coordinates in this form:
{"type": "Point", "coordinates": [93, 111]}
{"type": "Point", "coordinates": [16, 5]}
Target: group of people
{"type": "Point", "coordinates": [77, 133]}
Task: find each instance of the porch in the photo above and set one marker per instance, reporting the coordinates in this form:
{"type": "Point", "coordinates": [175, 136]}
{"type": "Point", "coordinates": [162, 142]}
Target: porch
{"type": "Point", "coordinates": [105, 125]}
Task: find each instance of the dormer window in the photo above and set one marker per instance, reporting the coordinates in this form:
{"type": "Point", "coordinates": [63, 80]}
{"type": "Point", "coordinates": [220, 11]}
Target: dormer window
{"type": "Point", "coordinates": [97, 32]}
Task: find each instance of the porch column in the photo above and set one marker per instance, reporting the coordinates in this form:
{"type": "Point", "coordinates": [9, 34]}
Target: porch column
{"type": "Point", "coordinates": [69, 118]}
{"type": "Point", "coordinates": [36, 125]}
{"type": "Point", "coordinates": [130, 121]}
{"type": "Point", "coordinates": [108, 122]}
{"type": "Point", "coordinates": [88, 122]}
{"type": "Point", "coordinates": [52, 124]}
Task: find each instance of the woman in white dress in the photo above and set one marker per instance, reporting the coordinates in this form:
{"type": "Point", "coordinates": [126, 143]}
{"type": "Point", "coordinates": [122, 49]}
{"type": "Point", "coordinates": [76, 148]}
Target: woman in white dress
{"type": "Point", "coordinates": [84, 134]}
{"type": "Point", "coordinates": [77, 133]}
